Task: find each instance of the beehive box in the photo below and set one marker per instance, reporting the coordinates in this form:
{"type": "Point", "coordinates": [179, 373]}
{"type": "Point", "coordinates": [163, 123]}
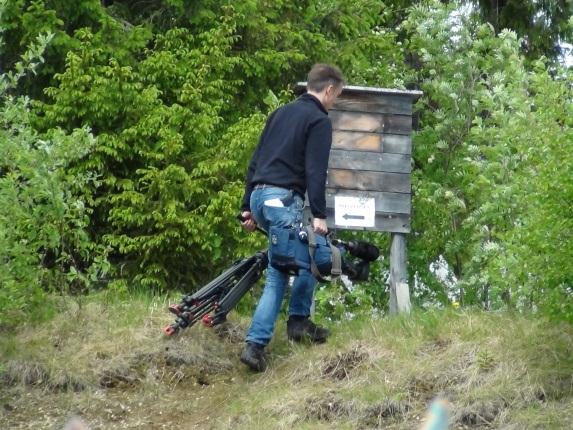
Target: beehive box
{"type": "Point", "coordinates": [369, 170]}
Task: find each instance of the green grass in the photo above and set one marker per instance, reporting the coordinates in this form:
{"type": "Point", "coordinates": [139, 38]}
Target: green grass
{"type": "Point", "coordinates": [104, 358]}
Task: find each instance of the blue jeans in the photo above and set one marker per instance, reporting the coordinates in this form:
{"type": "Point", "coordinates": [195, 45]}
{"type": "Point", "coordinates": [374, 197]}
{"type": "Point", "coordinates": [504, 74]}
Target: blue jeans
{"type": "Point", "coordinates": [266, 215]}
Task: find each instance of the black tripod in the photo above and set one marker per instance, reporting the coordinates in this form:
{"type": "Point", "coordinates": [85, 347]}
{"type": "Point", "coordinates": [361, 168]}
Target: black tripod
{"type": "Point", "coordinates": [214, 301]}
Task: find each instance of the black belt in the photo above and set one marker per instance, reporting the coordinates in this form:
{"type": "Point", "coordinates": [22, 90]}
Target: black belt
{"type": "Point", "coordinates": [262, 186]}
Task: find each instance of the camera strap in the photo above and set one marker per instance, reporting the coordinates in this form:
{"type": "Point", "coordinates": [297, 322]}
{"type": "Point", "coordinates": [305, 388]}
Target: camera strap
{"type": "Point", "coordinates": [336, 258]}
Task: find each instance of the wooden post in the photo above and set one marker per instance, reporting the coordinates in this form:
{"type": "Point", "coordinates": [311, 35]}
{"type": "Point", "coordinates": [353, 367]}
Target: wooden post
{"type": "Point", "coordinates": [399, 292]}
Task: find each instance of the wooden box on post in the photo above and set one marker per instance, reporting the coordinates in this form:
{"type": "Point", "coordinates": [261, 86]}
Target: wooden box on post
{"type": "Point", "coordinates": [369, 172]}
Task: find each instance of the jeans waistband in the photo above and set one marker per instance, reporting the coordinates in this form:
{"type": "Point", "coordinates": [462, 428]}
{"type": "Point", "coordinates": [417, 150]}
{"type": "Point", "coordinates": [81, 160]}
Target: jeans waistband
{"type": "Point", "coordinates": [287, 201]}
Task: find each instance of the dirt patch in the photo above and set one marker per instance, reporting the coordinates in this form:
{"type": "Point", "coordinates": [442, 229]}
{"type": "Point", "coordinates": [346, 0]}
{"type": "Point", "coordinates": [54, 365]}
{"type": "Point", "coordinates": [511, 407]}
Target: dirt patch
{"type": "Point", "coordinates": [174, 364]}
{"type": "Point", "coordinates": [23, 372]}
{"type": "Point", "coordinates": [34, 375]}
{"type": "Point", "coordinates": [329, 408]}
{"type": "Point", "coordinates": [480, 414]}
{"type": "Point", "coordinates": [212, 357]}
{"type": "Point", "coordinates": [120, 376]}
{"type": "Point", "coordinates": [170, 365]}
{"type": "Point", "coordinates": [433, 347]}
{"type": "Point", "coordinates": [422, 388]}
{"type": "Point", "coordinates": [230, 332]}
{"type": "Point", "coordinates": [342, 364]}
{"type": "Point", "coordinates": [375, 415]}
{"type": "Point", "coordinates": [559, 388]}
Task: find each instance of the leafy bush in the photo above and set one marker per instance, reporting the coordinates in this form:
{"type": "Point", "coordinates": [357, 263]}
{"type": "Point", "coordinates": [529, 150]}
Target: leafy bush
{"type": "Point", "coordinates": [43, 220]}
{"type": "Point", "coordinates": [534, 263]}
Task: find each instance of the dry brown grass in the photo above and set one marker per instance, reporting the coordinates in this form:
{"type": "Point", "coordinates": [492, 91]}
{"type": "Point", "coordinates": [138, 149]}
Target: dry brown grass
{"type": "Point", "coordinates": [109, 364]}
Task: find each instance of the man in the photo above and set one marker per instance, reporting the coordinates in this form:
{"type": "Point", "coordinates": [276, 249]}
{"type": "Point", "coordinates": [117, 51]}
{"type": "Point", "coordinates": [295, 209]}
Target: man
{"type": "Point", "coordinates": [291, 159]}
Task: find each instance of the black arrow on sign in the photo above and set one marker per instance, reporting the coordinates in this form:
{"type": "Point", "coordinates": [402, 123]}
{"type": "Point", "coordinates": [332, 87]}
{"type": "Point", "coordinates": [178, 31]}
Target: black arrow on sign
{"type": "Point", "coordinates": [347, 217]}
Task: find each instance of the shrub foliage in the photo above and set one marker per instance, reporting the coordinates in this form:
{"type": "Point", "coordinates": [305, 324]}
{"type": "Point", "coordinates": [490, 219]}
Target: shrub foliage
{"type": "Point", "coordinates": [124, 153]}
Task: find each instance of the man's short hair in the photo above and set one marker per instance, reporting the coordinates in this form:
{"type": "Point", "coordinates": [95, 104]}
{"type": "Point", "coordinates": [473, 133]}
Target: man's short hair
{"type": "Point", "coordinates": [322, 75]}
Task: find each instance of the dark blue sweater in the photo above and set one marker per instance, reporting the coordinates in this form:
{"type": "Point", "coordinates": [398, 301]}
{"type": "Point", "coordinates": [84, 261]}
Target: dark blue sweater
{"type": "Point", "coordinates": [293, 152]}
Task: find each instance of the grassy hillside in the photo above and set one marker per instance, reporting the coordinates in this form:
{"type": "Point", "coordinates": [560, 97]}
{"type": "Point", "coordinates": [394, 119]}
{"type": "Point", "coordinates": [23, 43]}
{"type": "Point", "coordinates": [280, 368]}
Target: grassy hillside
{"type": "Point", "coordinates": [109, 364]}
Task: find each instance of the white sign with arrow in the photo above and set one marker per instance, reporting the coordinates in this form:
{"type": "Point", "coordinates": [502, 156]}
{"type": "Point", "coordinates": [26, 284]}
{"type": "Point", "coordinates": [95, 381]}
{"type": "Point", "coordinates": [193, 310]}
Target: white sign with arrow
{"type": "Point", "coordinates": [354, 211]}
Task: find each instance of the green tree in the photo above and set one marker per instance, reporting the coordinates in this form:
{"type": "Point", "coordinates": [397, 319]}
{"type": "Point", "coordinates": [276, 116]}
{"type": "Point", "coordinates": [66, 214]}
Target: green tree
{"type": "Point", "coordinates": [462, 154]}
{"type": "Point", "coordinates": [178, 118]}
{"type": "Point", "coordinates": [542, 25]}
{"type": "Point", "coordinates": [23, 20]}
{"type": "Point", "coordinates": [493, 138]}
{"type": "Point", "coordinates": [534, 264]}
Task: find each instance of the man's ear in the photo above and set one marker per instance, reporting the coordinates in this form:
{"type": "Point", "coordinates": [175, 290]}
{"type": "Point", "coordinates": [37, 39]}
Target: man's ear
{"type": "Point", "coordinates": [332, 91]}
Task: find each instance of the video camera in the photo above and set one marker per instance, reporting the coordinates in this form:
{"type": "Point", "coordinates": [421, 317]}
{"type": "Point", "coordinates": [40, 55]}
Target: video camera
{"type": "Point", "coordinates": [364, 251]}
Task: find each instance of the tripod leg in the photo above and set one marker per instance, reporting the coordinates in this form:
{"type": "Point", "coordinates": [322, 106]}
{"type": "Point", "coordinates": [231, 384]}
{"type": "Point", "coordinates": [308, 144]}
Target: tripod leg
{"type": "Point", "coordinates": [237, 270]}
{"type": "Point", "coordinates": [190, 317]}
{"type": "Point", "coordinates": [230, 300]}
{"type": "Point", "coordinates": [211, 297]}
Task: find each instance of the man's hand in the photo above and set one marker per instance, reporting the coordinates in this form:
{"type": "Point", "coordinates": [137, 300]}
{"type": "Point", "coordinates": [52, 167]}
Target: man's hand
{"type": "Point", "coordinates": [319, 226]}
{"type": "Point", "coordinates": [249, 224]}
